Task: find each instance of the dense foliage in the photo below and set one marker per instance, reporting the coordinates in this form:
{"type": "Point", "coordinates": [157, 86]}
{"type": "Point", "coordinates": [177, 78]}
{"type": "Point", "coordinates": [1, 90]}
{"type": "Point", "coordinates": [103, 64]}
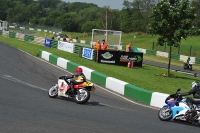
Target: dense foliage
{"type": "Point", "coordinates": [82, 17]}
{"type": "Point", "coordinates": [172, 20]}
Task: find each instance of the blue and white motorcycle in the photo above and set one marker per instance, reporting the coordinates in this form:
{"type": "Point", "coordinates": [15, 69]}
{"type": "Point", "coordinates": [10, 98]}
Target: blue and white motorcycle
{"type": "Point", "coordinates": [176, 108]}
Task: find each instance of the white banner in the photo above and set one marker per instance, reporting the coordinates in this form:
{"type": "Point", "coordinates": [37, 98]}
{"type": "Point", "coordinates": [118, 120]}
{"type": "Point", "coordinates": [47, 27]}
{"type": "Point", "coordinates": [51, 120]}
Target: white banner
{"type": "Point", "coordinates": [69, 47]}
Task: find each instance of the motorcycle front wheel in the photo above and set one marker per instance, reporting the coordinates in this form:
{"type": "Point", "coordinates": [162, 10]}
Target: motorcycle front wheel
{"type": "Point", "coordinates": [82, 96]}
{"type": "Point", "coordinates": [165, 114]}
{"type": "Point", "coordinates": [53, 91]}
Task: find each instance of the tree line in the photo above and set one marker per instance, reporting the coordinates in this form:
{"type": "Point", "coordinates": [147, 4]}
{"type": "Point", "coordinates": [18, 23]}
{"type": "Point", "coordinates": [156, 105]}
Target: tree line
{"type": "Point", "coordinates": [83, 17]}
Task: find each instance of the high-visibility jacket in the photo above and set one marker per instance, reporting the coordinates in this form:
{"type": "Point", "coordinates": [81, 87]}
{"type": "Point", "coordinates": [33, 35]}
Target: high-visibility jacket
{"type": "Point", "coordinates": [187, 59]}
{"type": "Point", "coordinates": [128, 48]}
{"type": "Point", "coordinates": [97, 46]}
{"type": "Point", "coordinates": [104, 46]}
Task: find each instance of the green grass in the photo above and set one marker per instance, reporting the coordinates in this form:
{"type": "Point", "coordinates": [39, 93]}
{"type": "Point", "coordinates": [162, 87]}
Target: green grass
{"type": "Point", "coordinates": [144, 77]}
{"type": "Point", "coordinates": [146, 41]}
{"type": "Point", "coordinates": [143, 40]}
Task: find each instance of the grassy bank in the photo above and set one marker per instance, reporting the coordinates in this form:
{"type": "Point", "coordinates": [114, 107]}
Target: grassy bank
{"type": "Point", "coordinates": [142, 40]}
{"type": "Point", "coordinates": [144, 77]}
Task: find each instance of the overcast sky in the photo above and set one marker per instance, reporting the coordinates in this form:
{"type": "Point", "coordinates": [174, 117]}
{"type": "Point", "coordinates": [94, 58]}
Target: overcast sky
{"type": "Point", "coordinates": [114, 4]}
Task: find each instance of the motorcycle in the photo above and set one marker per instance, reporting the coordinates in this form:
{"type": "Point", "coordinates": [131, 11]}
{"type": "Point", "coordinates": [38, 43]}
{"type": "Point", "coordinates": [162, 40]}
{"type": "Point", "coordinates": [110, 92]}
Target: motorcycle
{"type": "Point", "coordinates": [176, 108]}
{"type": "Point", "coordinates": [63, 89]}
{"type": "Point", "coordinates": [187, 66]}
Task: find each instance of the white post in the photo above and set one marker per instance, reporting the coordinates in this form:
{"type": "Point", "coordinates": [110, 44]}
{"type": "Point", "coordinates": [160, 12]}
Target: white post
{"type": "Point", "coordinates": [106, 24]}
{"type": "Point", "coordinates": [91, 43]}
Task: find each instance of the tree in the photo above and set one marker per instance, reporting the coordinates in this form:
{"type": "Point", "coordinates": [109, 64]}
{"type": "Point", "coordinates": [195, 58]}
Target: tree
{"type": "Point", "coordinates": [171, 20]}
{"type": "Point", "coordinates": [88, 26]}
{"type": "Point", "coordinates": [125, 17]}
{"type": "Point", "coordinates": [196, 4]}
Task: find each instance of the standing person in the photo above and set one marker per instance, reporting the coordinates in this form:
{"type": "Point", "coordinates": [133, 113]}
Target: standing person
{"type": "Point", "coordinates": [129, 48]}
{"type": "Point", "coordinates": [97, 47]}
{"type": "Point", "coordinates": [104, 45]}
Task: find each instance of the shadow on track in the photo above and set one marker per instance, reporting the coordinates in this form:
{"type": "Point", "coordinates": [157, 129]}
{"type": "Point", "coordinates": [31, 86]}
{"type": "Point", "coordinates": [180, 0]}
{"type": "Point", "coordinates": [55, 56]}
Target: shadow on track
{"type": "Point", "coordinates": [89, 103]}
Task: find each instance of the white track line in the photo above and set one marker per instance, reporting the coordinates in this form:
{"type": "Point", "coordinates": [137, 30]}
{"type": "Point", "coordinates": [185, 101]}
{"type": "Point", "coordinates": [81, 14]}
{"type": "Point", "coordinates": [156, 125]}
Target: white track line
{"type": "Point", "coordinates": [21, 82]}
{"type": "Point", "coordinates": [96, 85]}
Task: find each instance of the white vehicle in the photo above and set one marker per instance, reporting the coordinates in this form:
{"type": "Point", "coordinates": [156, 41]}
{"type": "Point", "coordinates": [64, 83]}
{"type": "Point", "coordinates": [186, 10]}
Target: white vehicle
{"type": "Point", "coordinates": [176, 108]}
{"type": "Point", "coordinates": [63, 89]}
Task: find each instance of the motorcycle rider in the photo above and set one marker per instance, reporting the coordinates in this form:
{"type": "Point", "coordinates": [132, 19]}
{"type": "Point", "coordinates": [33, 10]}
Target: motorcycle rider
{"type": "Point", "coordinates": [77, 78]}
{"type": "Point", "coordinates": [187, 60]}
{"type": "Point", "coordinates": [195, 90]}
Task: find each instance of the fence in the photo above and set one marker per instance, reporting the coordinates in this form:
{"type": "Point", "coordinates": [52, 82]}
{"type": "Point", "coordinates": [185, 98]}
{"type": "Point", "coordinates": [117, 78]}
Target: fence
{"type": "Point", "coordinates": [40, 40]}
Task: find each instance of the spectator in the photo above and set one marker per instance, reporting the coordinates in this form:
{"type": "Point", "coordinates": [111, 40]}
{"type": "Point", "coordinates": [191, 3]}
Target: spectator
{"type": "Point", "coordinates": [70, 38]}
{"type": "Point", "coordinates": [52, 37]}
{"type": "Point", "coordinates": [104, 45]}
{"type": "Point", "coordinates": [129, 48]}
{"type": "Point", "coordinates": [97, 45]}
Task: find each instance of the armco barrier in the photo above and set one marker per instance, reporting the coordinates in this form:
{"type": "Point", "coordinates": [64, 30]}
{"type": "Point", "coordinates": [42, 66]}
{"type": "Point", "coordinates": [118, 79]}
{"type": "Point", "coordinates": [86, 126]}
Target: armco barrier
{"type": "Point", "coordinates": [62, 62]}
{"type": "Point", "coordinates": [39, 40]}
{"type": "Point", "coordinates": [158, 99]}
{"type": "Point", "coordinates": [54, 44]}
{"type": "Point", "coordinates": [76, 48]}
{"type": "Point", "coordinates": [53, 59]}
{"type": "Point", "coordinates": [20, 36]}
{"type": "Point", "coordinates": [121, 87]}
{"type": "Point", "coordinates": [151, 52]}
{"type": "Point", "coordinates": [28, 38]}
{"type": "Point", "coordinates": [99, 78]}
{"type": "Point", "coordinates": [71, 66]}
{"type": "Point", "coordinates": [12, 35]}
{"type": "Point", "coordinates": [87, 72]}
{"type": "Point", "coordinates": [175, 56]}
{"type": "Point", "coordinates": [5, 33]}
{"type": "Point", "coordinates": [197, 60]}
{"type": "Point", "coordinates": [115, 85]}
{"type": "Point", "coordinates": [138, 93]}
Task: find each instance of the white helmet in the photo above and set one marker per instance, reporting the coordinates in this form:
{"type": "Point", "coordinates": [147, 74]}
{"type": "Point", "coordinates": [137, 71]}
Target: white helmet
{"type": "Point", "coordinates": [195, 84]}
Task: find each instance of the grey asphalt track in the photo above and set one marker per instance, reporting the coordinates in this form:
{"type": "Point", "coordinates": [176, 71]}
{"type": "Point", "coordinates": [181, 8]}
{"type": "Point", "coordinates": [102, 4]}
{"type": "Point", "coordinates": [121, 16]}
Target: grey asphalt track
{"type": "Point", "coordinates": [26, 108]}
{"type": "Point", "coordinates": [175, 68]}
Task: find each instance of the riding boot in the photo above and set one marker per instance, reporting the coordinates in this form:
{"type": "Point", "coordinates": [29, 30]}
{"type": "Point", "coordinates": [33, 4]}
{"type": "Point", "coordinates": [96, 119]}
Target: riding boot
{"type": "Point", "coordinates": [72, 88]}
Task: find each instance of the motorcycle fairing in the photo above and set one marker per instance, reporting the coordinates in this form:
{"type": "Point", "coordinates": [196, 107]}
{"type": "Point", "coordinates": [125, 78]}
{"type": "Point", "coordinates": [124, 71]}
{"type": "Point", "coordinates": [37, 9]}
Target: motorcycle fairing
{"type": "Point", "coordinates": [179, 110]}
{"type": "Point", "coordinates": [176, 111]}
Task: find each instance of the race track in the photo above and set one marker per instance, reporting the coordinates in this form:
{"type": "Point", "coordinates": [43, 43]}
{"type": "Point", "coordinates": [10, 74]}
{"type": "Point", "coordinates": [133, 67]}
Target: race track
{"type": "Point", "coordinates": [26, 107]}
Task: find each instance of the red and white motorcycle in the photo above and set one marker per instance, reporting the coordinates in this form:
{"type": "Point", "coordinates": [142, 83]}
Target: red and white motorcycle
{"type": "Point", "coordinates": [63, 89]}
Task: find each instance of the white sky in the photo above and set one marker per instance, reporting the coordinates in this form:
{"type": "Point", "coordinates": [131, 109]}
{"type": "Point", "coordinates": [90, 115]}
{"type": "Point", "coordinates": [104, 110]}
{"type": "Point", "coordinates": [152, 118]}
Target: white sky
{"type": "Point", "coordinates": [114, 4]}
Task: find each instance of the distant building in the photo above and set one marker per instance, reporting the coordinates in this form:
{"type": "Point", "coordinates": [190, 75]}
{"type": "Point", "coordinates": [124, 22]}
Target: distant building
{"type": "Point", "coordinates": [3, 25]}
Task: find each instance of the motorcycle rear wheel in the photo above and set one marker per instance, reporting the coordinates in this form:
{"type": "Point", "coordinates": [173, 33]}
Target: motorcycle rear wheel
{"type": "Point", "coordinates": [53, 91]}
{"type": "Point", "coordinates": [165, 114]}
{"type": "Point", "coordinates": [190, 68]}
{"type": "Point", "coordinates": [82, 97]}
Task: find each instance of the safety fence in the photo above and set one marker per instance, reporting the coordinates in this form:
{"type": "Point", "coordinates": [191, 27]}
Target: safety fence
{"type": "Point", "coordinates": [48, 30]}
{"type": "Point", "coordinates": [40, 40]}
{"type": "Point", "coordinates": [155, 99]}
